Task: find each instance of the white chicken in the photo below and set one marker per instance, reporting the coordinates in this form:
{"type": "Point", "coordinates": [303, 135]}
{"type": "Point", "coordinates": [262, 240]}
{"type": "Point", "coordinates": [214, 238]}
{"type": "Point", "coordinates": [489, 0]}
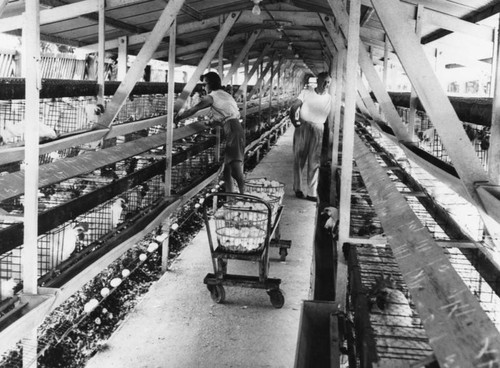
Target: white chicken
{"type": "Point", "coordinates": [68, 243]}
{"type": "Point", "coordinates": [333, 217]}
{"type": "Point", "coordinates": [7, 288]}
{"type": "Point", "coordinates": [392, 305]}
{"type": "Point", "coordinates": [116, 211]}
{"type": "Point", "coordinates": [428, 134]}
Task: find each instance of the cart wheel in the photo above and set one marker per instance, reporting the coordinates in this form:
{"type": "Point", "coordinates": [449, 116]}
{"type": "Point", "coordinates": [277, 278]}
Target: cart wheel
{"type": "Point", "coordinates": [217, 293]}
{"type": "Point", "coordinates": [283, 254]}
{"type": "Point", "coordinates": [277, 298]}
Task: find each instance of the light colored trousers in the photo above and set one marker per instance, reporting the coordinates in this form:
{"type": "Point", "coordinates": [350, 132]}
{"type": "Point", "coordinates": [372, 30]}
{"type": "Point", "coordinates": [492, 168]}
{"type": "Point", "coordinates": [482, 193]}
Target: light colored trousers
{"type": "Point", "coordinates": [307, 140]}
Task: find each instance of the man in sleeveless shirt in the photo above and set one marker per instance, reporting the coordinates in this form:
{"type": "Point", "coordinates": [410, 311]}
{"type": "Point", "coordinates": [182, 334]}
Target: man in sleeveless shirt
{"type": "Point", "coordinates": [314, 107]}
{"type": "Point", "coordinates": [223, 112]}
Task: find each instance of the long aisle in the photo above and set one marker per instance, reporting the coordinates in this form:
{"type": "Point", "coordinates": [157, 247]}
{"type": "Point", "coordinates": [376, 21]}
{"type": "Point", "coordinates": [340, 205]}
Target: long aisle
{"type": "Point", "coordinates": [178, 325]}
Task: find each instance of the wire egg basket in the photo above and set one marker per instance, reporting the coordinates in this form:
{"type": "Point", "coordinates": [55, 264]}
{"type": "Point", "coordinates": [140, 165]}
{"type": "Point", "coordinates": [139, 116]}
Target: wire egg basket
{"type": "Point", "coordinates": [262, 185]}
{"type": "Point", "coordinates": [241, 226]}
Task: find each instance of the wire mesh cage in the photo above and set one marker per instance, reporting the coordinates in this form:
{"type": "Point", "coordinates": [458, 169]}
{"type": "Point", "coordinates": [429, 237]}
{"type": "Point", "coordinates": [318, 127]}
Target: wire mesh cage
{"type": "Point", "coordinates": [263, 185]}
{"type": "Point", "coordinates": [241, 225]}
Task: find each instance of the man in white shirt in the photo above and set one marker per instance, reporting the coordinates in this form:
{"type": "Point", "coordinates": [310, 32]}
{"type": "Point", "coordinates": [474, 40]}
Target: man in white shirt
{"type": "Point", "coordinates": [314, 105]}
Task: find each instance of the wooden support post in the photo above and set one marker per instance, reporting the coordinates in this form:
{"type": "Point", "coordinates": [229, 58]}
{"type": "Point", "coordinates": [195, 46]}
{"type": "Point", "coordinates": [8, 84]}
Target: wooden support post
{"type": "Point", "coordinates": [494, 150]}
{"type": "Point", "coordinates": [347, 143]}
{"type": "Point", "coordinates": [271, 92]}
{"type": "Point", "coordinates": [122, 58]}
{"type": "Point", "coordinates": [31, 46]}
{"type": "Point", "coordinates": [413, 93]}
{"type": "Point", "coordinates": [163, 24]}
{"type": "Point", "coordinates": [259, 87]}
{"type": "Point", "coordinates": [170, 108]}
{"type": "Point", "coordinates": [100, 53]}
{"type": "Point", "coordinates": [339, 85]}
{"type": "Point", "coordinates": [245, 96]}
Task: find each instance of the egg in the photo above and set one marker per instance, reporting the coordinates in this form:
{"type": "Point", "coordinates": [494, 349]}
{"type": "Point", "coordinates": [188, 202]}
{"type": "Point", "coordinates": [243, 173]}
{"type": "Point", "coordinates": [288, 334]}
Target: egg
{"type": "Point", "coordinates": [125, 272]}
{"type": "Point", "coordinates": [104, 292]}
{"type": "Point", "coordinates": [115, 282]}
{"type": "Point", "coordinates": [143, 257]}
{"type": "Point", "coordinates": [90, 305]}
{"type": "Point", "coordinates": [152, 247]}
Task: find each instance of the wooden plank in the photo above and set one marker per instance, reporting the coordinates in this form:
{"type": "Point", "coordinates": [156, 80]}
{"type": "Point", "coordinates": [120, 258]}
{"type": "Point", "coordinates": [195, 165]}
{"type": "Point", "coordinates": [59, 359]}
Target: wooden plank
{"type": "Point", "coordinates": [162, 26]}
{"type": "Point", "coordinates": [53, 15]}
{"type": "Point", "coordinates": [11, 185]}
{"type": "Point", "coordinates": [243, 53]}
{"type": "Point", "coordinates": [17, 153]}
{"type": "Point", "coordinates": [494, 150]}
{"type": "Point", "coordinates": [35, 311]}
{"type": "Point", "coordinates": [455, 24]}
{"type": "Point", "coordinates": [170, 109]}
{"type": "Point", "coordinates": [207, 58]}
{"type": "Point", "coordinates": [431, 95]}
{"type": "Point", "coordinates": [349, 113]}
{"type": "Point", "coordinates": [459, 331]}
{"type": "Point", "coordinates": [31, 50]}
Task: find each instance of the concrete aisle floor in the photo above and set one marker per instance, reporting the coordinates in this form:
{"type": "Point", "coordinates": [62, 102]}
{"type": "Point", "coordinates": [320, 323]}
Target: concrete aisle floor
{"type": "Point", "coordinates": [178, 325]}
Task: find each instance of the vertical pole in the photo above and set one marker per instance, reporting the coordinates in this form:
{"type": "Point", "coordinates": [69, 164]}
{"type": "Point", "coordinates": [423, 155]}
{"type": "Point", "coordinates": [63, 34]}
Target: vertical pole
{"type": "Point", "coordinates": [122, 58]}
{"type": "Point", "coordinates": [413, 93]}
{"type": "Point", "coordinates": [278, 86]}
{"type": "Point", "coordinates": [32, 73]}
{"type": "Point", "coordinates": [170, 108]}
{"type": "Point", "coordinates": [494, 149]}
{"type": "Point", "coordinates": [339, 81]}
{"type": "Point", "coordinates": [169, 138]}
{"type": "Point", "coordinates": [163, 240]}
{"type": "Point", "coordinates": [261, 69]}
{"type": "Point", "coordinates": [349, 115]}
{"type": "Point", "coordinates": [244, 89]}
{"type": "Point", "coordinates": [100, 61]}
{"type": "Point", "coordinates": [271, 92]}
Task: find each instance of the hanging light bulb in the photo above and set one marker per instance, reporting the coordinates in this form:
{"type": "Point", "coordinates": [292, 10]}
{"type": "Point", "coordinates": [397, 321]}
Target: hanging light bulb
{"type": "Point", "coordinates": [256, 7]}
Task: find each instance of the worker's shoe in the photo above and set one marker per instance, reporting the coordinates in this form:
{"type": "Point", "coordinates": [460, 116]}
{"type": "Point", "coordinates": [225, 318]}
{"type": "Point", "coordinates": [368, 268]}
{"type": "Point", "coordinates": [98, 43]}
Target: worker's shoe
{"type": "Point", "coordinates": [299, 194]}
{"type": "Point", "coordinates": [312, 199]}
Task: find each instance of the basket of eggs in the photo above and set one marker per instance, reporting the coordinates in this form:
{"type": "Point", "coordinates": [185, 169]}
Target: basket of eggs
{"type": "Point", "coordinates": [262, 185]}
{"type": "Point", "coordinates": [241, 226]}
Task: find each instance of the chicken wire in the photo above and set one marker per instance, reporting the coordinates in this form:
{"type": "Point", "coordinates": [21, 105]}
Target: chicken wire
{"type": "Point", "coordinates": [399, 336]}
{"type": "Point", "coordinates": [401, 343]}
{"type": "Point", "coordinates": [430, 141]}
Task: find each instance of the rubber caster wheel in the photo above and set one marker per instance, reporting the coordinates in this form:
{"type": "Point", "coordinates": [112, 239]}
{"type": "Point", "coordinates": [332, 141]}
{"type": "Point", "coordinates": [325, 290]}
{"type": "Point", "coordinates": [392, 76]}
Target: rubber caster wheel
{"type": "Point", "coordinates": [283, 254]}
{"type": "Point", "coordinates": [277, 298]}
{"type": "Point", "coordinates": [217, 293]}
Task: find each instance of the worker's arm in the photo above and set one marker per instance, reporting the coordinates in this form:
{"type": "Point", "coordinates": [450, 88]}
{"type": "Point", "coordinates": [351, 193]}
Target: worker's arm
{"type": "Point", "coordinates": [205, 102]}
{"type": "Point", "coordinates": [294, 118]}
